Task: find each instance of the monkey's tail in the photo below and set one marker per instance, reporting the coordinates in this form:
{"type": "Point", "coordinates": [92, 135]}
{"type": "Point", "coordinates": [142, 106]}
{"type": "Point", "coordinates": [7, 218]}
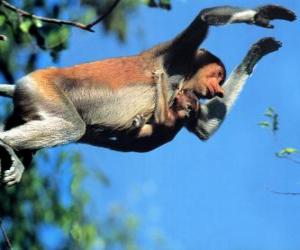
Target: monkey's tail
{"type": "Point", "coordinates": [7, 90]}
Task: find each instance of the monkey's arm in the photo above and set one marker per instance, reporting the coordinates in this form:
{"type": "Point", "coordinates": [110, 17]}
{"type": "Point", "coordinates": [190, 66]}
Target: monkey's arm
{"type": "Point", "coordinates": [212, 114]}
{"type": "Point", "coordinates": [187, 42]}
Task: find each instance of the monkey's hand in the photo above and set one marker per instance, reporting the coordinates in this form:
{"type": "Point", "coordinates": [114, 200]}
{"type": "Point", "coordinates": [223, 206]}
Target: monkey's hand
{"type": "Point", "coordinates": [11, 167]}
{"type": "Point", "coordinates": [270, 12]}
{"type": "Point", "coordinates": [186, 103]}
{"type": "Point", "coordinates": [138, 122]}
{"type": "Point", "coordinates": [260, 16]}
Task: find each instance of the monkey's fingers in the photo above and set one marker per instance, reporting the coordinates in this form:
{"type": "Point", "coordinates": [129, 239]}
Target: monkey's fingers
{"type": "Point", "coordinates": [267, 45]}
{"type": "Point", "coordinates": [271, 12]}
{"type": "Point", "coordinates": [138, 122]}
{"type": "Point", "coordinates": [258, 50]}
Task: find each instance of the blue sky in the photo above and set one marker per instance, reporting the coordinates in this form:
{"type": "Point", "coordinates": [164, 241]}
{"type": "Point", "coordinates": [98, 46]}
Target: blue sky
{"type": "Point", "coordinates": [210, 195]}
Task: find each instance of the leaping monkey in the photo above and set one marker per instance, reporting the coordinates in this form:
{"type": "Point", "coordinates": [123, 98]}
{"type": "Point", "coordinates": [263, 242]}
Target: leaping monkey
{"type": "Point", "coordinates": [134, 103]}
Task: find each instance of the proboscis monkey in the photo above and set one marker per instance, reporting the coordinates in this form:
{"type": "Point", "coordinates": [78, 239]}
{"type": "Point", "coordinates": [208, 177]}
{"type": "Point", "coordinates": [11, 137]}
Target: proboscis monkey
{"type": "Point", "coordinates": [97, 102]}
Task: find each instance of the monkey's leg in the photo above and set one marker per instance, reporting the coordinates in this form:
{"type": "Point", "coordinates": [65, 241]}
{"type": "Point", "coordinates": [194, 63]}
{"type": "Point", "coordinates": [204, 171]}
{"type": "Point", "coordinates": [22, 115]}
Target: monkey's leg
{"type": "Point", "coordinates": [39, 134]}
{"type": "Point", "coordinates": [50, 122]}
{"type": "Point", "coordinates": [211, 115]}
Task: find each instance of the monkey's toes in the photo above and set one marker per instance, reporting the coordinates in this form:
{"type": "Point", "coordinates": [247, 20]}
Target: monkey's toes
{"type": "Point", "coordinates": [258, 50]}
{"type": "Point", "coordinates": [13, 175]}
{"type": "Point", "coordinates": [11, 167]}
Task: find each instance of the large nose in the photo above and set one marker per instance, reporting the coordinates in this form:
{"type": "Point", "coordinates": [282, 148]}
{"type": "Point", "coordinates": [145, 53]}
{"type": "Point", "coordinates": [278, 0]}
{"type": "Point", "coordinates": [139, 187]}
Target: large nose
{"type": "Point", "coordinates": [220, 92]}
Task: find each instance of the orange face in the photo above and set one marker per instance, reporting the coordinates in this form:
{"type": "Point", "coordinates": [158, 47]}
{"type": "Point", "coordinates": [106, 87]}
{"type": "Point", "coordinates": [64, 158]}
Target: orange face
{"type": "Point", "coordinates": [208, 80]}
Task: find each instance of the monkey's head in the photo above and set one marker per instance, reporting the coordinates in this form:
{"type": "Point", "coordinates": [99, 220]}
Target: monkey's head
{"type": "Point", "coordinates": [208, 75]}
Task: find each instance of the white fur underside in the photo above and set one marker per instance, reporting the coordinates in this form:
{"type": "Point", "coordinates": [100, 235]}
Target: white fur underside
{"type": "Point", "coordinates": [116, 109]}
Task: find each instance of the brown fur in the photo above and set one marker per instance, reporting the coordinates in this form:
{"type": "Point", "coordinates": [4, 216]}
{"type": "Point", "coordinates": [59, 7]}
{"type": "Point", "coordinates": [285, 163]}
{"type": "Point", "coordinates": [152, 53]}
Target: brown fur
{"type": "Point", "coordinates": [114, 73]}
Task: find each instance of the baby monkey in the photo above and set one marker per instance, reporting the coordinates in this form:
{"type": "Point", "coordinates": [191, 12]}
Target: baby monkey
{"type": "Point", "coordinates": [178, 104]}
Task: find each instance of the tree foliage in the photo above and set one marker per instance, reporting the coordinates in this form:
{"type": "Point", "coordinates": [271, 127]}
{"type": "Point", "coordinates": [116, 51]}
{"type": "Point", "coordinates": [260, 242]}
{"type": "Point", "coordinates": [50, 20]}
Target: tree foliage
{"type": "Point", "coordinates": [35, 207]}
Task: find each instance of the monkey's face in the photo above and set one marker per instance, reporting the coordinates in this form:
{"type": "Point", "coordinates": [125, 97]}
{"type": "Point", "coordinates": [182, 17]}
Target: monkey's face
{"type": "Point", "coordinates": [208, 81]}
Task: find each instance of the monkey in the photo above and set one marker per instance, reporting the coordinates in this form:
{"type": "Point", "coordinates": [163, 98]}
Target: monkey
{"type": "Point", "coordinates": [204, 121]}
{"type": "Point", "coordinates": [96, 102]}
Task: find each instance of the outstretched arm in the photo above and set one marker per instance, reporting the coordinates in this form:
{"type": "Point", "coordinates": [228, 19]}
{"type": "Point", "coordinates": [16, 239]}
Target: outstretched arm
{"type": "Point", "coordinates": [187, 42]}
{"type": "Point", "coordinates": [212, 114]}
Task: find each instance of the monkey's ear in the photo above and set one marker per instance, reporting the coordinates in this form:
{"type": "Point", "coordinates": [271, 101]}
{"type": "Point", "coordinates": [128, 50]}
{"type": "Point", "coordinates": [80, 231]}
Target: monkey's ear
{"type": "Point", "coordinates": [8, 160]}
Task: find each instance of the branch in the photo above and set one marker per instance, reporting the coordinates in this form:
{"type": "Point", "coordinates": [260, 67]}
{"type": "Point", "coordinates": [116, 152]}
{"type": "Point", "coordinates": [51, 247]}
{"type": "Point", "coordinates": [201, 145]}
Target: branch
{"type": "Point", "coordinates": [87, 27]}
{"type": "Point", "coordinates": [284, 193]}
{"type": "Point", "coordinates": [292, 159]}
{"type": "Point", "coordinates": [98, 20]}
{"type": "Point", "coordinates": [5, 236]}
{"type": "Point", "coordinates": [3, 38]}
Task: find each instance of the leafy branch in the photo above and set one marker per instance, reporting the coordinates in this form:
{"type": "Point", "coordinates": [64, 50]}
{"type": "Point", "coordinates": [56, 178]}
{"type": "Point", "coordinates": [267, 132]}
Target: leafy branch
{"type": "Point", "coordinates": [87, 27]}
{"type": "Point", "coordinates": [287, 153]}
{"type": "Point", "coordinates": [272, 122]}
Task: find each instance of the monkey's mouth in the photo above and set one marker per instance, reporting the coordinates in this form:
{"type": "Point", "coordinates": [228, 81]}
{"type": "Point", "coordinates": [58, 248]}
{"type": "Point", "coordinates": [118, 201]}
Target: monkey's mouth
{"type": "Point", "coordinates": [209, 94]}
{"type": "Point", "coordinates": [213, 92]}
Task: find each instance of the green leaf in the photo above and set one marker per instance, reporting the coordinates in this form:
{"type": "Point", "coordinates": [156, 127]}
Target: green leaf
{"type": "Point", "coordinates": [57, 38]}
{"type": "Point", "coordinates": [2, 20]}
{"type": "Point", "coordinates": [264, 124]}
{"type": "Point", "coordinates": [286, 152]}
{"type": "Point", "coordinates": [76, 232]}
{"type": "Point", "coordinates": [25, 26]}
{"type": "Point", "coordinates": [269, 112]}
{"type": "Point", "coordinates": [38, 23]}
{"type": "Point", "coordinates": [290, 150]}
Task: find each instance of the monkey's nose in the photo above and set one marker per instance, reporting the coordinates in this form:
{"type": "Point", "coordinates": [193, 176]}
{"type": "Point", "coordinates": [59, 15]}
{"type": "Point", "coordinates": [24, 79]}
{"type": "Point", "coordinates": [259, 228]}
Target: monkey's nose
{"type": "Point", "coordinates": [221, 95]}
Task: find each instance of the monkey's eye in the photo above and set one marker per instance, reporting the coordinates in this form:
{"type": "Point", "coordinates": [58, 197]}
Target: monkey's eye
{"type": "Point", "coordinates": [220, 73]}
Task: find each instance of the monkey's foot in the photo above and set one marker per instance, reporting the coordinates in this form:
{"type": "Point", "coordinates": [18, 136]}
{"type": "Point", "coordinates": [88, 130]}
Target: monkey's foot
{"type": "Point", "coordinates": [271, 12]}
{"type": "Point", "coordinates": [11, 168]}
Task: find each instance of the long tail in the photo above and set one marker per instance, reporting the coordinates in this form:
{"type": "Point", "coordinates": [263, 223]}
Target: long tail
{"type": "Point", "coordinates": [7, 90]}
